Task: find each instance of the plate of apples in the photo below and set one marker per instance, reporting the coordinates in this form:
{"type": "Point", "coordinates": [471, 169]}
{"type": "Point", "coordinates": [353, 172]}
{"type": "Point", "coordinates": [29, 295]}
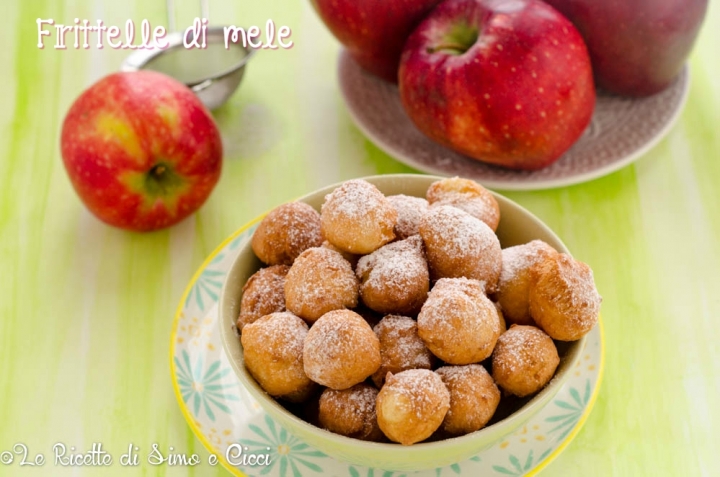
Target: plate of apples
{"type": "Point", "coordinates": [516, 94]}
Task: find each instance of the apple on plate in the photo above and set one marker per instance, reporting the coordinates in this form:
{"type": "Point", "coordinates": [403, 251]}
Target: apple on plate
{"type": "Point", "coordinates": [141, 150]}
{"type": "Point", "coordinates": [507, 82]}
{"type": "Point", "coordinates": [637, 47]}
{"type": "Point", "coordinates": [374, 31]}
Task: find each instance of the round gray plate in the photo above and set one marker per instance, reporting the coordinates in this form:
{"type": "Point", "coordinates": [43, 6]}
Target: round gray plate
{"type": "Point", "coordinates": [622, 129]}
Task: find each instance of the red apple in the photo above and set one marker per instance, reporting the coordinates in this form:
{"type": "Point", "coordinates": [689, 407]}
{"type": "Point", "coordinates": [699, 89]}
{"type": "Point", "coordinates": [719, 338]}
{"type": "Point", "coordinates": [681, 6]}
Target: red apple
{"type": "Point", "coordinates": [141, 150]}
{"type": "Point", "coordinates": [503, 81]}
{"type": "Point", "coordinates": [374, 31]}
{"type": "Point", "coordinates": [637, 47]}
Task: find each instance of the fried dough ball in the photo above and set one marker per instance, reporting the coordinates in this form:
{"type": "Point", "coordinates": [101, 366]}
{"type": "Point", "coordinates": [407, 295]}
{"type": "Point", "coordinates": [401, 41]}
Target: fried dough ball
{"type": "Point", "coordinates": [524, 360]}
{"type": "Point", "coordinates": [514, 284]}
{"type": "Point", "coordinates": [357, 218]}
{"type": "Point", "coordinates": [319, 281]}
{"type": "Point", "coordinates": [350, 257]}
{"type": "Point", "coordinates": [412, 405]}
{"type": "Point", "coordinates": [466, 195]}
{"type": "Point", "coordinates": [341, 350]}
{"type": "Point", "coordinates": [286, 232]}
{"type": "Point", "coordinates": [400, 347]}
{"type": "Point", "coordinates": [410, 211]}
{"type": "Point", "coordinates": [273, 351]}
{"type": "Point", "coordinates": [458, 323]}
{"type": "Point", "coordinates": [563, 299]}
{"type": "Point", "coordinates": [459, 245]}
{"type": "Point", "coordinates": [474, 397]}
{"type": "Point", "coordinates": [263, 293]}
{"type": "Point", "coordinates": [395, 277]}
{"type": "Point", "coordinates": [351, 412]}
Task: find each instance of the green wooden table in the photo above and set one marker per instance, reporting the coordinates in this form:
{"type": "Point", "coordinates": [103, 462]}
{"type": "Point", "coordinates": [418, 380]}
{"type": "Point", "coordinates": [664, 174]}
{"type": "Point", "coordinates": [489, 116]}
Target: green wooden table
{"type": "Point", "coordinates": [86, 310]}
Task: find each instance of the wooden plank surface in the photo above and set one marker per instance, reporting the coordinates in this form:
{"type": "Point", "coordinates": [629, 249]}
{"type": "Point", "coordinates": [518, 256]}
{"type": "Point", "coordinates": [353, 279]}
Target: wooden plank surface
{"type": "Point", "coordinates": [86, 310]}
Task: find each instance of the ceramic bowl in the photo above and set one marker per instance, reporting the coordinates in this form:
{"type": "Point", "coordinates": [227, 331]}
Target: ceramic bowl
{"type": "Point", "coordinates": [517, 226]}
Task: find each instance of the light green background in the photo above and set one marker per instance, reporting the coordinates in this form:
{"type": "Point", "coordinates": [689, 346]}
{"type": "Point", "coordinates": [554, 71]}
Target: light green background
{"type": "Point", "coordinates": [86, 310]}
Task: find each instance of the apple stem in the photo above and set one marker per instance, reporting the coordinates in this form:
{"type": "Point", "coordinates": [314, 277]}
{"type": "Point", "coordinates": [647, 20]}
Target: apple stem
{"type": "Point", "coordinates": [456, 48]}
{"type": "Point", "coordinates": [160, 179]}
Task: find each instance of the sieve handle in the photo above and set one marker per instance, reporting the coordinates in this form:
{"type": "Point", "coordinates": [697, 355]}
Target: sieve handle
{"type": "Point", "coordinates": [170, 11]}
{"type": "Point", "coordinates": [205, 9]}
